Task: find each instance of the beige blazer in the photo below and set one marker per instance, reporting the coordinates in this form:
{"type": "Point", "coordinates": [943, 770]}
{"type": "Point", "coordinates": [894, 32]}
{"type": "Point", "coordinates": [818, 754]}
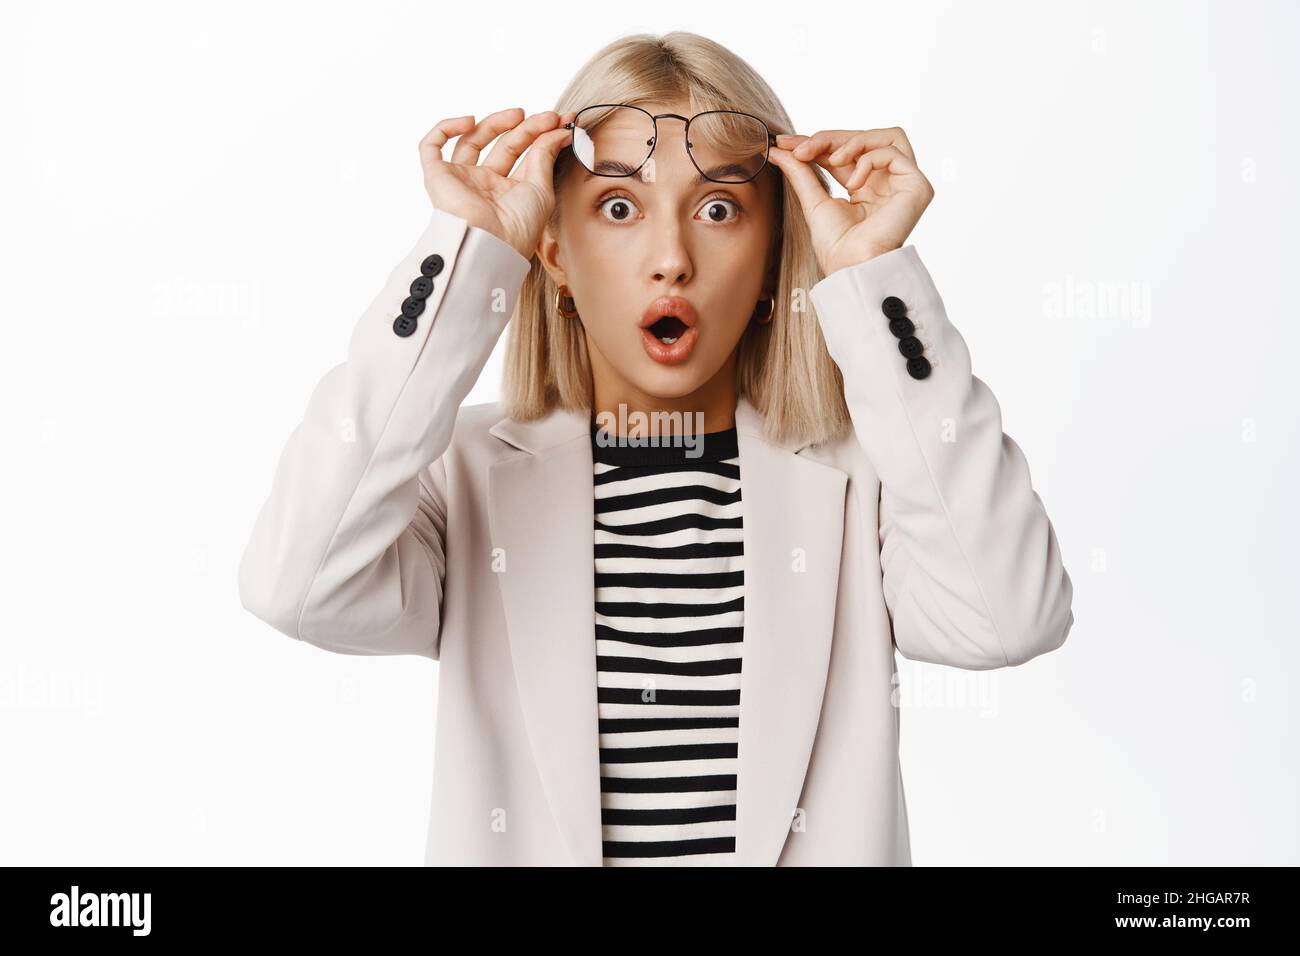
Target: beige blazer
{"type": "Point", "coordinates": [401, 523]}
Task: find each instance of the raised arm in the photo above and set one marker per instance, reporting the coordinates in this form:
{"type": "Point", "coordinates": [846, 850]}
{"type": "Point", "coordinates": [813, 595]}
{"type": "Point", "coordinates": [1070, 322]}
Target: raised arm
{"type": "Point", "coordinates": [973, 574]}
{"type": "Point", "coordinates": [348, 551]}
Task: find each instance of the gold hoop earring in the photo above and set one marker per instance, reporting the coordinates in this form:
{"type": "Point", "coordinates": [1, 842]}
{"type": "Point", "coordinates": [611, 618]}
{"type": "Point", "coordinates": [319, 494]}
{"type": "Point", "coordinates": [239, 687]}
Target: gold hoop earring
{"type": "Point", "coordinates": [565, 312]}
{"type": "Point", "coordinates": [764, 311]}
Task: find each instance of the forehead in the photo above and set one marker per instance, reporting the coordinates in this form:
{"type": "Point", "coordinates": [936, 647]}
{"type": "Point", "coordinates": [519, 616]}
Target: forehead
{"type": "Point", "coordinates": [626, 135]}
{"type": "Point", "coordinates": [633, 126]}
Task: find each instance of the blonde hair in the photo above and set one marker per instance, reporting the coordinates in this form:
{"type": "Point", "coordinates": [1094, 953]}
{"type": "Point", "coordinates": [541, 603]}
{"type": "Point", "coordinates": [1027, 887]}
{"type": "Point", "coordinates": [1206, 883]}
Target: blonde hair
{"type": "Point", "coordinates": [783, 367]}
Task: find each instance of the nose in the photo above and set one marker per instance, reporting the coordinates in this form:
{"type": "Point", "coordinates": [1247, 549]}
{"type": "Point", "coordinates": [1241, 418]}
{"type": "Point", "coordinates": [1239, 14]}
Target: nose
{"type": "Point", "coordinates": [671, 260]}
{"type": "Point", "coordinates": [671, 268]}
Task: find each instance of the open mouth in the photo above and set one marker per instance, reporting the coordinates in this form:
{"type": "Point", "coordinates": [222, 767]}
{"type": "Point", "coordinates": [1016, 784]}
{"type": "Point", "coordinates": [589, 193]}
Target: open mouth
{"type": "Point", "coordinates": [667, 329]}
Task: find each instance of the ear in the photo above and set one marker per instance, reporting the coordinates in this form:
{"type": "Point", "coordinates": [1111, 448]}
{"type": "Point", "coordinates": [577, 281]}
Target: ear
{"type": "Point", "coordinates": [774, 260]}
{"type": "Point", "coordinates": [548, 254]}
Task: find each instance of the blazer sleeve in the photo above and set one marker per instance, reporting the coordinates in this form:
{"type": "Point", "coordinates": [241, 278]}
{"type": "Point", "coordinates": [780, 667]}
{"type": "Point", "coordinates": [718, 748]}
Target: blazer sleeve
{"type": "Point", "coordinates": [973, 575]}
{"type": "Point", "coordinates": [348, 551]}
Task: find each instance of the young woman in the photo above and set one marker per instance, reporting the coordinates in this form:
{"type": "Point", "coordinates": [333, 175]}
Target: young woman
{"type": "Point", "coordinates": [672, 646]}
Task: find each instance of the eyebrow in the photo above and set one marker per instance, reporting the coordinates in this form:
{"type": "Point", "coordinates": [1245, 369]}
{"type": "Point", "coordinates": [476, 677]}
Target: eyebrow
{"type": "Point", "coordinates": [624, 169]}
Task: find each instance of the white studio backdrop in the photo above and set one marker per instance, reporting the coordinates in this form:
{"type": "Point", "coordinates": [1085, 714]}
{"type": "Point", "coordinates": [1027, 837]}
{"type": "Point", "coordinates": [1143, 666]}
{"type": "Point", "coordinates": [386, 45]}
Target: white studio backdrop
{"type": "Point", "coordinates": [200, 201]}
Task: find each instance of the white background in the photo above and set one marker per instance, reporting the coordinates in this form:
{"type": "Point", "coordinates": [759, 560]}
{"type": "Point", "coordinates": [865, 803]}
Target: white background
{"type": "Point", "coordinates": [199, 201]}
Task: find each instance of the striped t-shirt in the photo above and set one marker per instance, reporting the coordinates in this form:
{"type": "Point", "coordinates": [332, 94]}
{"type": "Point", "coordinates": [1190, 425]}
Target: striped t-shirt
{"type": "Point", "coordinates": [670, 613]}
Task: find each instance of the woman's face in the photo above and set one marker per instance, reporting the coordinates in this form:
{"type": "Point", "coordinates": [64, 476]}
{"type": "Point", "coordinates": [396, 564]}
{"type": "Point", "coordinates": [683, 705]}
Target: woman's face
{"type": "Point", "coordinates": [625, 245]}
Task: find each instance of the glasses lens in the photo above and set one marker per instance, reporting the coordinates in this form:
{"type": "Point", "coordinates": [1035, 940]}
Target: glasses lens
{"type": "Point", "coordinates": [612, 140]}
{"type": "Point", "coordinates": [728, 147]}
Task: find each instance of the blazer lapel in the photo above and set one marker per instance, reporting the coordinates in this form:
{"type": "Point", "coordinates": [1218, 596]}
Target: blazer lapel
{"type": "Point", "coordinates": [793, 511]}
{"type": "Point", "coordinates": [541, 515]}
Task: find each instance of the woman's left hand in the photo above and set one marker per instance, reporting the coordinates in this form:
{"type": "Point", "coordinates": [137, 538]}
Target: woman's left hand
{"type": "Point", "coordinates": [887, 192]}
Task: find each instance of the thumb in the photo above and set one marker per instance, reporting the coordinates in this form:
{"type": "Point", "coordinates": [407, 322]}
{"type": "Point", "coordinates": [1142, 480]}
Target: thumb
{"type": "Point", "coordinates": [539, 162]}
{"type": "Point", "coordinates": [808, 188]}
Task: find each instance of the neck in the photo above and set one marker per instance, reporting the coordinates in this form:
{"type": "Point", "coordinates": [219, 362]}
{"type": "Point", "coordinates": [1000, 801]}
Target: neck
{"type": "Point", "coordinates": [623, 409]}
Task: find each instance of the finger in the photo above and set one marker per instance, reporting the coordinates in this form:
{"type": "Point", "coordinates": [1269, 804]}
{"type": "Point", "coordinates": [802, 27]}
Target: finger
{"type": "Point", "coordinates": [511, 146]}
{"type": "Point", "coordinates": [488, 129]}
{"type": "Point", "coordinates": [873, 139]}
{"type": "Point", "coordinates": [538, 166]}
{"type": "Point", "coordinates": [839, 143]}
{"type": "Point", "coordinates": [887, 157]}
{"type": "Point", "coordinates": [808, 189]}
{"type": "Point", "coordinates": [841, 171]}
{"type": "Point", "coordinates": [904, 144]}
{"type": "Point", "coordinates": [434, 140]}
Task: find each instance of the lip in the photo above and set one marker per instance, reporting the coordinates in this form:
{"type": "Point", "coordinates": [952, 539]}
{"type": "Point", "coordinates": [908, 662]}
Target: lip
{"type": "Point", "coordinates": [680, 350]}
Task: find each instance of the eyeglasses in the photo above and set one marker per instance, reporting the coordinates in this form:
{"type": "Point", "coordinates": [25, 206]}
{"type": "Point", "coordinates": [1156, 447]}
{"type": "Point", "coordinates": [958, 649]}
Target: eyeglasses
{"type": "Point", "coordinates": [615, 139]}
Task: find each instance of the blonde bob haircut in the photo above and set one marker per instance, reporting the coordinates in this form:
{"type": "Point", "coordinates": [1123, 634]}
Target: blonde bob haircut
{"type": "Point", "coordinates": [783, 367]}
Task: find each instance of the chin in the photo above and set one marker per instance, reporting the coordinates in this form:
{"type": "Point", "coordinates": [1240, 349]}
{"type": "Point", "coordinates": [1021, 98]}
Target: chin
{"type": "Point", "coordinates": [668, 383]}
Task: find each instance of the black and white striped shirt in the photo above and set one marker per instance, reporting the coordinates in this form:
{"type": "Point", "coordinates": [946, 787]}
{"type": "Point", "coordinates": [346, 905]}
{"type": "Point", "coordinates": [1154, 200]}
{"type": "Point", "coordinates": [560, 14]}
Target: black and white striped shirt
{"type": "Point", "coordinates": [670, 612]}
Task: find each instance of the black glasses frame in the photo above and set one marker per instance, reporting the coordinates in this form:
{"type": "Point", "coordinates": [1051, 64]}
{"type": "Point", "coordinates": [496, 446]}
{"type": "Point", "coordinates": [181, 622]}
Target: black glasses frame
{"type": "Point", "coordinates": [686, 133]}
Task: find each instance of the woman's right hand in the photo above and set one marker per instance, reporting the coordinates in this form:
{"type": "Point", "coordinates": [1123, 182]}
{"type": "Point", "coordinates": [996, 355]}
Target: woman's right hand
{"type": "Point", "coordinates": [514, 206]}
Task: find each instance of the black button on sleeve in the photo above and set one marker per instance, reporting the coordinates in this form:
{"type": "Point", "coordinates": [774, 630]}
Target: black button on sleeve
{"type": "Point", "coordinates": [901, 328]}
{"type": "Point", "coordinates": [421, 288]}
{"type": "Point", "coordinates": [412, 307]}
{"type": "Point", "coordinates": [911, 346]}
{"type": "Point", "coordinates": [918, 367]}
{"type": "Point", "coordinates": [893, 307]}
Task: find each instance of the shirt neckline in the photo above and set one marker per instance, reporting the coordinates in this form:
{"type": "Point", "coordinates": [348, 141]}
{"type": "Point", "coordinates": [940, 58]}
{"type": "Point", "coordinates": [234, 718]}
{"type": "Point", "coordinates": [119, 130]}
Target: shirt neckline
{"type": "Point", "coordinates": [705, 446]}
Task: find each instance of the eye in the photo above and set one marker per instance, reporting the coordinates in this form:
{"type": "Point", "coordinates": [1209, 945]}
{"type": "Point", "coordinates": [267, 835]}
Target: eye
{"type": "Point", "coordinates": [714, 209]}
{"type": "Point", "coordinates": [617, 208]}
